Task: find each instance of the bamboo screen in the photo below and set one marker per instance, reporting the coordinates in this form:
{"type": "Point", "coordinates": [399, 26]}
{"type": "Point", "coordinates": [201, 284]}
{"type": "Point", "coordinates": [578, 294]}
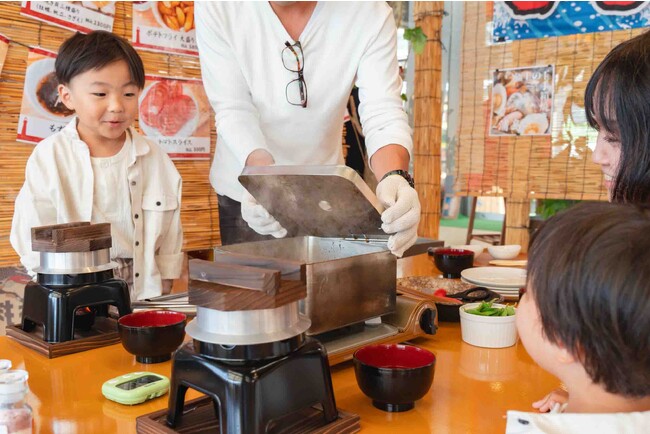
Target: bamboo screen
{"type": "Point", "coordinates": [427, 111]}
{"type": "Point", "coordinates": [520, 168]}
{"type": "Point", "coordinates": [199, 202]}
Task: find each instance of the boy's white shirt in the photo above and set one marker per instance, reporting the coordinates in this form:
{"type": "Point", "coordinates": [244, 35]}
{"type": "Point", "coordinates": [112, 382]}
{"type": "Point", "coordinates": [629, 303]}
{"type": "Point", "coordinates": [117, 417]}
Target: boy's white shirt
{"type": "Point", "coordinates": [59, 188]}
{"type": "Point", "coordinates": [577, 423]}
{"type": "Point", "coordinates": [110, 175]}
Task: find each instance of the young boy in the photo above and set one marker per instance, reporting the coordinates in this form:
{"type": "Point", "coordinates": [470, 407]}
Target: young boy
{"type": "Point", "coordinates": [100, 169]}
{"type": "Point", "coordinates": [585, 318]}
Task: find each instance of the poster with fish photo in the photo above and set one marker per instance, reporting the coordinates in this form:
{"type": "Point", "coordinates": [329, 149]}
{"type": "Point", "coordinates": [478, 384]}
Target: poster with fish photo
{"type": "Point", "coordinates": [522, 101]}
{"type": "Point", "coordinates": [176, 114]}
{"type": "Point", "coordinates": [41, 113]}
{"type": "Point", "coordinates": [4, 47]}
{"type": "Point", "coordinates": [78, 16]}
{"type": "Point", "coordinates": [165, 27]}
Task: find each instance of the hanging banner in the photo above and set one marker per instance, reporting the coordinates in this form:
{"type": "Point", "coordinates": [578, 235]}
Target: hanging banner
{"type": "Point", "coordinates": [166, 27]}
{"type": "Point", "coordinates": [540, 19]}
{"type": "Point", "coordinates": [41, 113]}
{"type": "Point", "coordinates": [176, 114]}
{"type": "Point", "coordinates": [78, 16]}
{"type": "Point", "coordinates": [4, 47]}
{"type": "Point", "coordinates": [522, 101]}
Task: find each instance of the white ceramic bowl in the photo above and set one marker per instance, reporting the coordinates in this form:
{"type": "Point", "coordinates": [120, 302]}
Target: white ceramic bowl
{"type": "Point", "coordinates": [477, 249]}
{"type": "Point", "coordinates": [487, 331]}
{"type": "Point", "coordinates": [509, 251]}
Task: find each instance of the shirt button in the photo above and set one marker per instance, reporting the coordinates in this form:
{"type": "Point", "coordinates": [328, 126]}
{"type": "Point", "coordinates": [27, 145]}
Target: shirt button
{"type": "Point", "coordinates": [132, 182]}
{"type": "Point", "coordinates": [158, 203]}
{"type": "Point", "coordinates": [137, 243]}
{"type": "Point", "coordinates": [136, 216]}
{"type": "Point", "coordinates": [137, 274]}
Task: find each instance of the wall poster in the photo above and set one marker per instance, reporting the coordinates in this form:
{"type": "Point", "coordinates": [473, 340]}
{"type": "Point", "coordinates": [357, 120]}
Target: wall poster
{"type": "Point", "coordinates": [522, 101]}
{"type": "Point", "coordinates": [77, 16]}
{"type": "Point", "coordinates": [176, 114]}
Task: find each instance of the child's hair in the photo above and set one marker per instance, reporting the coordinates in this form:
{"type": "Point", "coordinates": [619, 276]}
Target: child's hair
{"type": "Point", "coordinates": [95, 50]}
{"type": "Point", "coordinates": [617, 99]}
{"type": "Point", "coordinates": [589, 274]}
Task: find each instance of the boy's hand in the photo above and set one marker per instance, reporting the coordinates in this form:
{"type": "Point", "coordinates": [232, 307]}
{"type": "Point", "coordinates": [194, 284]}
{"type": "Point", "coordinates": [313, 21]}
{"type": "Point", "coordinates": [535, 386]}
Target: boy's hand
{"type": "Point", "coordinates": [546, 404]}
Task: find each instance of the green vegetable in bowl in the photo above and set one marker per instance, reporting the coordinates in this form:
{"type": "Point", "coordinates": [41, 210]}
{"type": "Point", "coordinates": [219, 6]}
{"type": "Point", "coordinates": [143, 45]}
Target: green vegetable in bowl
{"type": "Point", "coordinates": [486, 309]}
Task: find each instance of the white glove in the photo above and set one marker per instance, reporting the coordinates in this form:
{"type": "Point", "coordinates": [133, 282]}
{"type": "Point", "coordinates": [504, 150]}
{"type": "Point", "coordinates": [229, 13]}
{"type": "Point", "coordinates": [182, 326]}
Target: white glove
{"type": "Point", "coordinates": [402, 213]}
{"type": "Point", "coordinates": [259, 218]}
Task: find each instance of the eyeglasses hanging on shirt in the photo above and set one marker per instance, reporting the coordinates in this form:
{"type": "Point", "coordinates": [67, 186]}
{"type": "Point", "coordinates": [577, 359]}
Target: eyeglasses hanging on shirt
{"type": "Point", "coordinates": [293, 59]}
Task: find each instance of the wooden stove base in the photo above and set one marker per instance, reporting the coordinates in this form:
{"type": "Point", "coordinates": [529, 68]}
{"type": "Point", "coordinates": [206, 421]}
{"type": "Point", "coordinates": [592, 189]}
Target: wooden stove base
{"type": "Point", "coordinates": [200, 418]}
{"type": "Point", "coordinates": [103, 333]}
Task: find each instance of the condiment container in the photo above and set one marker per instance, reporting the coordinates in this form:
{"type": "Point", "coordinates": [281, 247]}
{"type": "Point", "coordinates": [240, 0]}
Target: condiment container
{"type": "Point", "coordinates": [15, 414]}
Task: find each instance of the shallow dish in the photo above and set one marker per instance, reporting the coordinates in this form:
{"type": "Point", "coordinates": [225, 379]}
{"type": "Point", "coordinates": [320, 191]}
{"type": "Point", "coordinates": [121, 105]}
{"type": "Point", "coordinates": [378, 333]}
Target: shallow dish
{"type": "Point", "coordinates": [509, 251]}
{"type": "Point", "coordinates": [394, 376]}
{"type": "Point", "coordinates": [476, 248]}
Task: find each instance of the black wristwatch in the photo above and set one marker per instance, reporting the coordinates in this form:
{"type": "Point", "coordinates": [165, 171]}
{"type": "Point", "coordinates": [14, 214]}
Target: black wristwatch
{"type": "Point", "coordinates": [403, 173]}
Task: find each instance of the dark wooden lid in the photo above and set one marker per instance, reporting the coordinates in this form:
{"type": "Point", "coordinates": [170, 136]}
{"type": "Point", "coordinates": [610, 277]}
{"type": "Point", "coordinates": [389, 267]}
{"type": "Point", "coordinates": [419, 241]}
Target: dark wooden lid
{"type": "Point", "coordinates": [72, 237]}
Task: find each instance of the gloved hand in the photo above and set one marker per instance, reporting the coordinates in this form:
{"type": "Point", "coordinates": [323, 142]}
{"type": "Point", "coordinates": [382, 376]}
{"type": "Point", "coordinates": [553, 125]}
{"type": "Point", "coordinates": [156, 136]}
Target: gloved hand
{"type": "Point", "coordinates": [259, 218]}
{"type": "Point", "coordinates": [402, 213]}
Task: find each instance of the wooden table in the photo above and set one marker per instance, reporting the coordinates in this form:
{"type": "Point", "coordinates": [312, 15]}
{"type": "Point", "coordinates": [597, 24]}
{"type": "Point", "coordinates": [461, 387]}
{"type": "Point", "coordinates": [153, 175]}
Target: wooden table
{"type": "Point", "coordinates": [472, 389]}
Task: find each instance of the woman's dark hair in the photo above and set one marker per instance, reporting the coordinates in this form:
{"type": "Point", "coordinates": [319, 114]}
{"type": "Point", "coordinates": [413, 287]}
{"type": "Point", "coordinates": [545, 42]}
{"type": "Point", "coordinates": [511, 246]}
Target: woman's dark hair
{"type": "Point", "coordinates": [81, 53]}
{"type": "Point", "coordinates": [589, 274]}
{"type": "Point", "coordinates": [617, 99]}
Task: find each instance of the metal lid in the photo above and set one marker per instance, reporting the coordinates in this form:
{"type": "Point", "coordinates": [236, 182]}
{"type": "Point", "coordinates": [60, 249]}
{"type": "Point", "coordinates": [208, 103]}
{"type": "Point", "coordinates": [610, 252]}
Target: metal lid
{"type": "Point", "coordinates": [323, 201]}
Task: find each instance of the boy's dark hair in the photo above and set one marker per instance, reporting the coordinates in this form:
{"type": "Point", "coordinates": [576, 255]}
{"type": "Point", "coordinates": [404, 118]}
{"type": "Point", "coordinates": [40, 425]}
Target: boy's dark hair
{"type": "Point", "coordinates": [618, 96]}
{"type": "Point", "coordinates": [81, 53]}
{"type": "Point", "coordinates": [589, 273]}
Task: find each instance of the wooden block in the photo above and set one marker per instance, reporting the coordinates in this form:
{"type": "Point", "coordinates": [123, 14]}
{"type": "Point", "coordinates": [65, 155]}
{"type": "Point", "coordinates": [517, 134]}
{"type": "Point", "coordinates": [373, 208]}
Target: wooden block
{"type": "Point", "coordinates": [103, 333]}
{"type": "Point", "coordinates": [238, 276]}
{"type": "Point", "coordinates": [226, 298]}
{"type": "Point", "coordinates": [291, 270]}
{"type": "Point", "coordinates": [201, 419]}
{"type": "Point", "coordinates": [71, 237]}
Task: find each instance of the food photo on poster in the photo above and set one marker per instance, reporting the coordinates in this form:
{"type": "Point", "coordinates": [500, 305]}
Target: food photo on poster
{"type": "Point", "coordinates": [522, 101]}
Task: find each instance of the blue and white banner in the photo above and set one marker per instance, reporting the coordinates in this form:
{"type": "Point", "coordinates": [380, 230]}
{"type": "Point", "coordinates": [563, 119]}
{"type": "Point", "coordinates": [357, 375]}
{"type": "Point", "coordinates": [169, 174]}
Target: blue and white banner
{"type": "Point", "coordinates": [540, 19]}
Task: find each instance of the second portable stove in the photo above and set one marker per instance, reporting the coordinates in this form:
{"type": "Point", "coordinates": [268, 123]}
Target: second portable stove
{"type": "Point", "coordinates": [250, 353]}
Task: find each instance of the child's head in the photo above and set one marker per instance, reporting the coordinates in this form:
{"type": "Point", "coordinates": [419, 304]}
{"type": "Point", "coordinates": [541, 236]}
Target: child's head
{"type": "Point", "coordinates": [588, 296]}
{"type": "Point", "coordinates": [100, 76]}
{"type": "Point", "coordinates": [617, 104]}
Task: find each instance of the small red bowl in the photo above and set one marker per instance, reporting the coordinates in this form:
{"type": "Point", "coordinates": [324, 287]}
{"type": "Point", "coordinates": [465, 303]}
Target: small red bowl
{"type": "Point", "coordinates": [394, 376]}
{"type": "Point", "coordinates": [152, 336]}
{"type": "Point", "coordinates": [452, 261]}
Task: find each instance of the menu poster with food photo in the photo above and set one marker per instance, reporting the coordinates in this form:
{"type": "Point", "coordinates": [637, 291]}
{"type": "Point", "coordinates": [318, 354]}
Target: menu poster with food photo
{"type": "Point", "coordinates": [4, 47]}
{"type": "Point", "coordinates": [41, 113]}
{"type": "Point", "coordinates": [81, 17]}
{"type": "Point", "coordinates": [522, 101]}
{"type": "Point", "coordinates": [176, 114]}
{"type": "Point", "coordinates": [166, 27]}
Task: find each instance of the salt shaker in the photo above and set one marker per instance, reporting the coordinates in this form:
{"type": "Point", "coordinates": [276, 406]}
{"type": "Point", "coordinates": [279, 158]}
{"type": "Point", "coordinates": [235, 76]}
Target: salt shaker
{"type": "Point", "coordinates": [15, 414]}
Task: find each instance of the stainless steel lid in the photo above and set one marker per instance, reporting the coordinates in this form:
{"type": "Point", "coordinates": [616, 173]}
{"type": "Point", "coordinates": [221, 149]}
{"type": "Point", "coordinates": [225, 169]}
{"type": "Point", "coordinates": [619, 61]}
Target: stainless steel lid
{"type": "Point", "coordinates": [323, 201]}
{"type": "Point", "coordinates": [75, 262]}
{"type": "Point", "coordinates": [247, 327]}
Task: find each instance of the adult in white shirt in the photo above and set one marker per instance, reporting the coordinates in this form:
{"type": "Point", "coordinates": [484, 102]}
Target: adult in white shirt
{"type": "Point", "coordinates": [278, 76]}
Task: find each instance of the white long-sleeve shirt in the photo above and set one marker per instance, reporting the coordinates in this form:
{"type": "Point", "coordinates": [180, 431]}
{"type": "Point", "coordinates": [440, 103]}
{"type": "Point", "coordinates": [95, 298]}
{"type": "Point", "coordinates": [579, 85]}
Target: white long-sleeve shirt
{"type": "Point", "coordinates": [344, 43]}
{"type": "Point", "coordinates": [59, 188]}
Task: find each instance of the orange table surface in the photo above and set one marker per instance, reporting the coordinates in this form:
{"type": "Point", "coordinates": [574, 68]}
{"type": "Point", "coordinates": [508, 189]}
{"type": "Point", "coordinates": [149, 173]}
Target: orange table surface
{"type": "Point", "coordinates": [472, 388]}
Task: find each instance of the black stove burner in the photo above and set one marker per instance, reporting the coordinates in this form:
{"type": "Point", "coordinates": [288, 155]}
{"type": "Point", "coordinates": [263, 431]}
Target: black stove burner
{"type": "Point", "coordinates": [249, 354]}
{"type": "Point", "coordinates": [53, 301]}
{"type": "Point", "coordinates": [254, 398]}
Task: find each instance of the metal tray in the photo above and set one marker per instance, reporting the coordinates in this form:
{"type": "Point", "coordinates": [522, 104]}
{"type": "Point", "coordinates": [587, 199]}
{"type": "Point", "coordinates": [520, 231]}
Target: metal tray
{"type": "Point", "coordinates": [322, 201]}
